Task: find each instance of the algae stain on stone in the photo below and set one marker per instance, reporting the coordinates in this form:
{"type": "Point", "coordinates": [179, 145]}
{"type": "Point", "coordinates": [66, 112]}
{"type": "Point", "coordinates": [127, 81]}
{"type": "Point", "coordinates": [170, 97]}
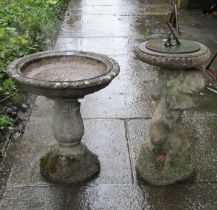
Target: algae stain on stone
{"type": "Point", "coordinates": [49, 161]}
{"type": "Point", "coordinates": [72, 160]}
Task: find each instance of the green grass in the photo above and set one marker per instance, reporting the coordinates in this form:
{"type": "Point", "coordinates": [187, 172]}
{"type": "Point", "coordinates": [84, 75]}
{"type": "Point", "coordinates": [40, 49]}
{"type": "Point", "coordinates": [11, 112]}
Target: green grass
{"type": "Point", "coordinates": [26, 26]}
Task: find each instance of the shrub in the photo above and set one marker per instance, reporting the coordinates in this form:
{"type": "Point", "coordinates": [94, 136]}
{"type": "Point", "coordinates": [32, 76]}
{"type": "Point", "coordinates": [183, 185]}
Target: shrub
{"type": "Point", "coordinates": [26, 26]}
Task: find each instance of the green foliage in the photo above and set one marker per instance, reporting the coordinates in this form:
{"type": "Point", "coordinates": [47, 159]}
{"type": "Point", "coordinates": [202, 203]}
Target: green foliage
{"type": "Point", "coordinates": [6, 123]}
{"type": "Point", "coordinates": [26, 26]}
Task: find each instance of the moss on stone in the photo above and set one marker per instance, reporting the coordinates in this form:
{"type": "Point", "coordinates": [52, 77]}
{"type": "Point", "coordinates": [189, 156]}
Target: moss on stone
{"type": "Point", "coordinates": [72, 160]}
{"type": "Point", "coordinates": [49, 161]}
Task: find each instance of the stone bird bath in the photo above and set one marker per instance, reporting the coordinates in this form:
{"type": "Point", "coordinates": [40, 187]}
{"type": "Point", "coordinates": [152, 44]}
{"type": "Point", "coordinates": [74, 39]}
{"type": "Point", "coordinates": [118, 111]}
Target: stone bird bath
{"type": "Point", "coordinates": [65, 77]}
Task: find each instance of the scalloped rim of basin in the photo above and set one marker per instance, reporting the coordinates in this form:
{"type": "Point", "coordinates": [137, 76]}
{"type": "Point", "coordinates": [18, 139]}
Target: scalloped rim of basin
{"type": "Point", "coordinates": [173, 61]}
{"type": "Point", "coordinates": [14, 70]}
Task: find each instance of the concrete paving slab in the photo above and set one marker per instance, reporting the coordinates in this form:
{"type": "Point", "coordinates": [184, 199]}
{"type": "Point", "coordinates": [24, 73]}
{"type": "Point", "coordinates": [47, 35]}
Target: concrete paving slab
{"type": "Point", "coordinates": [128, 96]}
{"type": "Point", "coordinates": [205, 105]}
{"type": "Point", "coordinates": [34, 198]}
{"type": "Point", "coordinates": [130, 102]}
{"type": "Point", "coordinates": [181, 197]}
{"type": "Point", "coordinates": [107, 105]}
{"type": "Point", "coordinates": [76, 26]}
{"type": "Point", "coordinates": [137, 131]}
{"type": "Point", "coordinates": [68, 44]}
{"type": "Point", "coordinates": [203, 131]}
{"type": "Point", "coordinates": [106, 197]}
{"type": "Point", "coordinates": [106, 138]}
{"type": "Point", "coordinates": [134, 71]}
{"type": "Point", "coordinates": [95, 26]}
{"type": "Point", "coordinates": [36, 141]}
{"type": "Point", "coordinates": [110, 197]}
{"type": "Point", "coordinates": [200, 131]}
{"type": "Point", "coordinates": [108, 45]}
{"type": "Point", "coordinates": [122, 9]}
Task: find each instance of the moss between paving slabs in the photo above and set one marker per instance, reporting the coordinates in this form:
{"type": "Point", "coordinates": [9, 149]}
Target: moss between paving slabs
{"type": "Point", "coordinates": [26, 26]}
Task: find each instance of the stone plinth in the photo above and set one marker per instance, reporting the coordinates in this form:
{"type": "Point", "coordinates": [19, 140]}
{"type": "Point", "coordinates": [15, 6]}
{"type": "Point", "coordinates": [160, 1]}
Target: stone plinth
{"type": "Point", "coordinates": [165, 156]}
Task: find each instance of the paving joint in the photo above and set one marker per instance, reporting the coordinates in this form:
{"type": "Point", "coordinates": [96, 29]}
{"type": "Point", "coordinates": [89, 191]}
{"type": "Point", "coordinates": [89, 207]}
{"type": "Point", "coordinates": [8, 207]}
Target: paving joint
{"type": "Point", "coordinates": [128, 147]}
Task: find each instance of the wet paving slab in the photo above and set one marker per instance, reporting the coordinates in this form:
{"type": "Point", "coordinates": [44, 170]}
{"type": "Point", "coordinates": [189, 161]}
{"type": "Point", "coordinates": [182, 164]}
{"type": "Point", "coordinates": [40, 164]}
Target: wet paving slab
{"type": "Point", "coordinates": [76, 26]}
{"type": "Point", "coordinates": [105, 45]}
{"type": "Point", "coordinates": [102, 104]}
{"type": "Point", "coordinates": [123, 8]}
{"type": "Point", "coordinates": [117, 118]}
{"type": "Point", "coordinates": [106, 138]}
{"type": "Point", "coordinates": [205, 104]}
{"type": "Point", "coordinates": [33, 198]}
{"type": "Point", "coordinates": [188, 196]}
{"type": "Point", "coordinates": [201, 133]}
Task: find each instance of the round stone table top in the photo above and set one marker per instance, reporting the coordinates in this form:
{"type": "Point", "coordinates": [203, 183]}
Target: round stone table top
{"type": "Point", "coordinates": [173, 60]}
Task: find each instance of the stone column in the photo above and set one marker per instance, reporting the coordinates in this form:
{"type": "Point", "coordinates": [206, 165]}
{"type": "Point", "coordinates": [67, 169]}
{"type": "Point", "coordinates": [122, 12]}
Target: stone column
{"type": "Point", "coordinates": [69, 161]}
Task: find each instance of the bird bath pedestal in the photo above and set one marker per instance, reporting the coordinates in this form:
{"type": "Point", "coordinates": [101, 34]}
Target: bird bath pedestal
{"type": "Point", "coordinates": [65, 77]}
{"type": "Point", "coordinates": [165, 156]}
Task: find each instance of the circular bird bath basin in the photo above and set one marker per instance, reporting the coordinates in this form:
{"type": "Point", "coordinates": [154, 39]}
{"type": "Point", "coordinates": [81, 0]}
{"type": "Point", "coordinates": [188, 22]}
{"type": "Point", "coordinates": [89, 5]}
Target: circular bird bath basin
{"type": "Point", "coordinates": [165, 157]}
{"type": "Point", "coordinates": [64, 77]}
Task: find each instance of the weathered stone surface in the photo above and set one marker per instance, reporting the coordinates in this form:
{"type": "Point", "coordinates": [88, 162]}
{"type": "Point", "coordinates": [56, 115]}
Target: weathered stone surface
{"type": "Point", "coordinates": [173, 61]}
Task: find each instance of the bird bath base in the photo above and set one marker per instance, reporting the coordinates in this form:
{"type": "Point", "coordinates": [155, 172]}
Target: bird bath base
{"type": "Point", "coordinates": [74, 165]}
{"type": "Point", "coordinates": [69, 161]}
{"type": "Point", "coordinates": [152, 173]}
